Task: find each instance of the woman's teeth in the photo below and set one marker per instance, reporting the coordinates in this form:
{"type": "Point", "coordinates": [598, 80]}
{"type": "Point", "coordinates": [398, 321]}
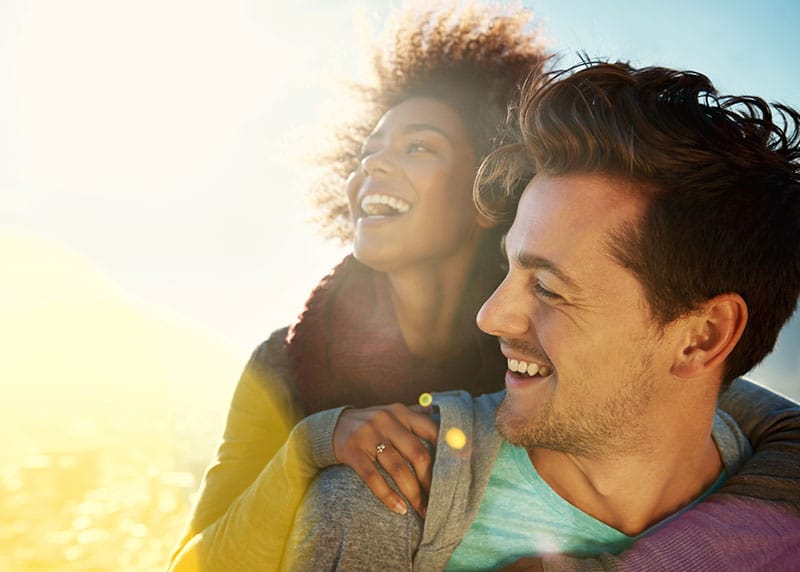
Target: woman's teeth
{"type": "Point", "coordinates": [383, 205]}
{"type": "Point", "coordinates": [530, 369]}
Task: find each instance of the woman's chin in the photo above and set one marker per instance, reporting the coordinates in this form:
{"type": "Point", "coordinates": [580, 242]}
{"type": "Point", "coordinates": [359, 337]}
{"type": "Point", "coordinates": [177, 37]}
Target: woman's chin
{"type": "Point", "coordinates": [379, 257]}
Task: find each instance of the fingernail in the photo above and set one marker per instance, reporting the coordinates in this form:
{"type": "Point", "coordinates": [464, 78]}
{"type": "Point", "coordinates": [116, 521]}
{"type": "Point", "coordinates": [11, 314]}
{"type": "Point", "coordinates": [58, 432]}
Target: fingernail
{"type": "Point", "coordinates": [400, 507]}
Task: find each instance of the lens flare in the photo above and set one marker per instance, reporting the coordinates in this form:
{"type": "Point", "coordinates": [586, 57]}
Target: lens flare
{"type": "Point", "coordinates": [455, 438]}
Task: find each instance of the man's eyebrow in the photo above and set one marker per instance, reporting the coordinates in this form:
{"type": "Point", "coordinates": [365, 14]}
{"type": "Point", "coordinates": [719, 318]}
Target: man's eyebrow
{"type": "Point", "coordinates": [528, 261]}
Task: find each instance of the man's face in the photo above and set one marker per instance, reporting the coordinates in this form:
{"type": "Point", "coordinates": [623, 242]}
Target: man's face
{"type": "Point", "coordinates": [586, 359]}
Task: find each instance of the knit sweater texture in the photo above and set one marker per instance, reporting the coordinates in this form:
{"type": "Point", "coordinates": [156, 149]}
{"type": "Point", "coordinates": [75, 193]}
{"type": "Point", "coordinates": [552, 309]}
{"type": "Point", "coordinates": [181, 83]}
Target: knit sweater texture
{"type": "Point", "coordinates": [341, 526]}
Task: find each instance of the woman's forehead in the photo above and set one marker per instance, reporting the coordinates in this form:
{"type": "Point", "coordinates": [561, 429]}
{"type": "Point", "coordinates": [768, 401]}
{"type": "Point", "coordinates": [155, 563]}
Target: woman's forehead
{"type": "Point", "coordinates": [419, 113]}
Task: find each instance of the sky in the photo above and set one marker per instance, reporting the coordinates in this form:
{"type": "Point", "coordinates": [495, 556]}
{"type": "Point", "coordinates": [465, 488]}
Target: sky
{"type": "Point", "coordinates": [154, 163]}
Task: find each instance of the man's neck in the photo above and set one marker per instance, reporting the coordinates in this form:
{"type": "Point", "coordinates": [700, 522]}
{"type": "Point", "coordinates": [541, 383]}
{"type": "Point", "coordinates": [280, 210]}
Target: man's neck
{"type": "Point", "coordinates": [632, 492]}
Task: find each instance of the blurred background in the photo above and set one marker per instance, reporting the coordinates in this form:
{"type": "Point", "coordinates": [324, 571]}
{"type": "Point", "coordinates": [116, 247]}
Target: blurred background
{"type": "Point", "coordinates": [153, 227]}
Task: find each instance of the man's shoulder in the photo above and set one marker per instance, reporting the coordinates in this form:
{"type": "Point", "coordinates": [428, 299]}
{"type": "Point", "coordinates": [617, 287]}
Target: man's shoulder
{"type": "Point", "coordinates": [342, 524]}
{"type": "Point", "coordinates": [462, 402]}
{"type": "Point", "coordinates": [733, 446]}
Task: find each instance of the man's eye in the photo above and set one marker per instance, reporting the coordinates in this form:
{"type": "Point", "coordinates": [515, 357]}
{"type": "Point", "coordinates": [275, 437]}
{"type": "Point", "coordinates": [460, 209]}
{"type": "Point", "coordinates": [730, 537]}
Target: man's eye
{"type": "Point", "coordinates": [544, 292]}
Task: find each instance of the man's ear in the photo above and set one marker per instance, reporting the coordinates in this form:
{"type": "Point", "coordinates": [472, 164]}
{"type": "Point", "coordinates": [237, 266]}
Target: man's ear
{"type": "Point", "coordinates": [711, 333]}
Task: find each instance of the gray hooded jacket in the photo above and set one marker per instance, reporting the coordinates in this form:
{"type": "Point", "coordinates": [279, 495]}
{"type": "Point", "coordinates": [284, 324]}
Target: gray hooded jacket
{"type": "Point", "coordinates": [342, 526]}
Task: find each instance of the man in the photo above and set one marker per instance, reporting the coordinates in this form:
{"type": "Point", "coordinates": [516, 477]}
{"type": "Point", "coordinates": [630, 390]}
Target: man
{"type": "Point", "coordinates": [653, 258]}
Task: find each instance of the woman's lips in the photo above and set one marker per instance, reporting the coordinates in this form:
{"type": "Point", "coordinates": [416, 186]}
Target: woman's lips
{"type": "Point", "coordinates": [383, 205]}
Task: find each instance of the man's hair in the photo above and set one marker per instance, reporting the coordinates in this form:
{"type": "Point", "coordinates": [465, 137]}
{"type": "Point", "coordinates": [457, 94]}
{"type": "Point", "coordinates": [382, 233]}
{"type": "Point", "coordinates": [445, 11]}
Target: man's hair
{"type": "Point", "coordinates": [472, 58]}
{"type": "Point", "coordinates": [721, 175]}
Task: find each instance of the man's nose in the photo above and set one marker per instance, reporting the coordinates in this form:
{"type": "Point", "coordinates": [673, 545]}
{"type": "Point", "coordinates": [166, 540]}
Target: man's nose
{"type": "Point", "coordinates": [502, 314]}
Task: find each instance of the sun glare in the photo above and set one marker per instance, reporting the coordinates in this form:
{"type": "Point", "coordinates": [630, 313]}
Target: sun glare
{"type": "Point", "coordinates": [146, 136]}
{"type": "Point", "coordinates": [110, 411]}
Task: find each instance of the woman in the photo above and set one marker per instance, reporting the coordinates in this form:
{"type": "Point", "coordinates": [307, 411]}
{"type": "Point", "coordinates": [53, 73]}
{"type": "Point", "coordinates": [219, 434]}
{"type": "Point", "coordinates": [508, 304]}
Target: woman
{"type": "Point", "coordinates": [395, 319]}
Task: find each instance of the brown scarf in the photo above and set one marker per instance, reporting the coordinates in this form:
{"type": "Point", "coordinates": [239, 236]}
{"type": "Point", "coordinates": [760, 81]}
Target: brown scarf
{"type": "Point", "coordinates": [347, 349]}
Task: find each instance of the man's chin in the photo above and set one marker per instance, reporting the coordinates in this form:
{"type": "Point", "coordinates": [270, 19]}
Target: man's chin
{"type": "Point", "coordinates": [516, 424]}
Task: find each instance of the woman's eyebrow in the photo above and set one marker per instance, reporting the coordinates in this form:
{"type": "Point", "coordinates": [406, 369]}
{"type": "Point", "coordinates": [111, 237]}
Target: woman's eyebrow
{"type": "Point", "coordinates": [414, 127]}
{"type": "Point", "coordinates": [409, 129]}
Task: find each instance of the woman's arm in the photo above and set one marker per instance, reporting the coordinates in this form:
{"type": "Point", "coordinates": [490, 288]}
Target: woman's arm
{"type": "Point", "coordinates": [772, 424]}
{"type": "Point", "coordinates": [752, 523]}
{"type": "Point", "coordinates": [262, 412]}
{"type": "Point", "coordinates": [253, 461]}
{"type": "Point", "coordinates": [251, 534]}
{"type": "Point", "coordinates": [259, 477]}
{"type": "Point", "coordinates": [724, 533]}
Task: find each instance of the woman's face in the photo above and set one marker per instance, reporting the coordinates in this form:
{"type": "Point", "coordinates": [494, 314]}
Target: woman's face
{"type": "Point", "coordinates": [411, 197]}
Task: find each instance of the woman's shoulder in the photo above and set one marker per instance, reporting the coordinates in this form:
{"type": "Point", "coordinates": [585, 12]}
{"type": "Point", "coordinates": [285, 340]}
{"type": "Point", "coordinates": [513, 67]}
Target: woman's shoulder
{"type": "Point", "coordinates": [272, 354]}
{"type": "Point", "coordinates": [269, 370]}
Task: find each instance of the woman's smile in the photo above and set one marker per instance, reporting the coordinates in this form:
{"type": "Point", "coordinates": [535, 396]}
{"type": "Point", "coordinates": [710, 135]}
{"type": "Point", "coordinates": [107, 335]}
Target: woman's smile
{"type": "Point", "coordinates": [415, 178]}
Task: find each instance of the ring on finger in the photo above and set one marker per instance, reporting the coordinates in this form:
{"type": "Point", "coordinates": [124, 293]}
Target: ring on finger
{"type": "Point", "coordinates": [380, 448]}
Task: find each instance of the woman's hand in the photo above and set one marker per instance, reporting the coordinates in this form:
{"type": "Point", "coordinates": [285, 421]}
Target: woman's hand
{"type": "Point", "coordinates": [389, 435]}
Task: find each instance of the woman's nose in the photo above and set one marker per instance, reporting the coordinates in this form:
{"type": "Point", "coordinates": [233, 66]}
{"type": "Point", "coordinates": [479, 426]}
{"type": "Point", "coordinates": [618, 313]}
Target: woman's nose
{"type": "Point", "coordinates": [377, 162]}
{"type": "Point", "coordinates": [353, 182]}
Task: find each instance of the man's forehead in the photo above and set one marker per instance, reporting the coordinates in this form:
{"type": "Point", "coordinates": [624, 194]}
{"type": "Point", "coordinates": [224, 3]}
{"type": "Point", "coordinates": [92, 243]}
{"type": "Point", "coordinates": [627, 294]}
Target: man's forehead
{"type": "Point", "coordinates": [570, 218]}
{"type": "Point", "coordinates": [528, 260]}
{"type": "Point", "coordinates": [593, 200]}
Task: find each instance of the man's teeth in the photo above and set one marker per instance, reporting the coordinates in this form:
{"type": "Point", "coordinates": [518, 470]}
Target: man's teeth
{"type": "Point", "coordinates": [383, 205]}
{"type": "Point", "coordinates": [530, 369]}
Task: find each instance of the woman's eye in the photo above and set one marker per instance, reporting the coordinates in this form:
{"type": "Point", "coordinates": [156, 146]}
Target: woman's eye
{"type": "Point", "coordinates": [544, 292]}
{"type": "Point", "coordinates": [417, 147]}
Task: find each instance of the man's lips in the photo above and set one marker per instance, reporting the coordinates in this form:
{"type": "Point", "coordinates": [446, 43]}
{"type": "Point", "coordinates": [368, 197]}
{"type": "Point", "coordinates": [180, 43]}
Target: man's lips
{"type": "Point", "coordinates": [528, 368]}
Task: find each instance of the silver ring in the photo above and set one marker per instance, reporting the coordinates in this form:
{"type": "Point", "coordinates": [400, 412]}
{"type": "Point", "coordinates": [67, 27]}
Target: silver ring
{"type": "Point", "coordinates": [380, 448]}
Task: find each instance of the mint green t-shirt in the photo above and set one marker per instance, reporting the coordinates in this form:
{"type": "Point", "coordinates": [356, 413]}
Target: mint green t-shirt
{"type": "Point", "coordinates": [520, 515]}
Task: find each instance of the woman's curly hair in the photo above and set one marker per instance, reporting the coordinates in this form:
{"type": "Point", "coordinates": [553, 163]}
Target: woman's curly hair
{"type": "Point", "coordinates": [472, 58]}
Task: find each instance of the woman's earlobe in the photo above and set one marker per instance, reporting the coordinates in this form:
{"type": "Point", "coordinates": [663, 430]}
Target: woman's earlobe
{"type": "Point", "coordinates": [484, 221]}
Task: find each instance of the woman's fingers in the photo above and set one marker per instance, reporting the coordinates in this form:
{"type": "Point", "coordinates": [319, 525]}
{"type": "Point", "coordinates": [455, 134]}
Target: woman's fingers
{"type": "Point", "coordinates": [406, 480]}
{"type": "Point", "coordinates": [356, 444]}
{"type": "Point", "coordinates": [405, 439]}
{"type": "Point", "coordinates": [368, 471]}
{"type": "Point", "coordinates": [389, 435]}
{"type": "Point", "coordinates": [418, 419]}
{"type": "Point", "coordinates": [402, 447]}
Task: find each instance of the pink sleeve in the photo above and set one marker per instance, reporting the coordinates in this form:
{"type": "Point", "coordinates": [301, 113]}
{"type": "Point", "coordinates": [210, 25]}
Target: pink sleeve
{"type": "Point", "coordinates": [724, 533]}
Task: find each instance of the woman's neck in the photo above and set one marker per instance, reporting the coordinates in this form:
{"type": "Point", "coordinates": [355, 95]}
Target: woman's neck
{"type": "Point", "coordinates": [427, 303]}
